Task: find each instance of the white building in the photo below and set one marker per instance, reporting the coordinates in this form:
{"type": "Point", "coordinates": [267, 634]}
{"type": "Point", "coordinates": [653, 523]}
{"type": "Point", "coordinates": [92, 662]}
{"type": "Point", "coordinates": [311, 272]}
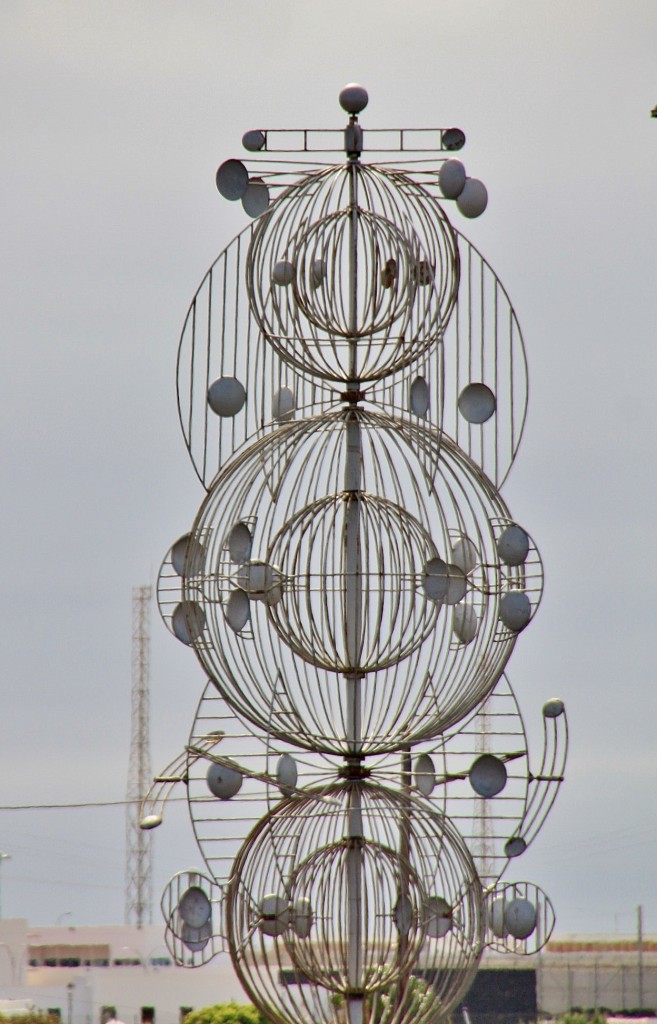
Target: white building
{"type": "Point", "coordinates": [81, 971]}
{"type": "Point", "coordinates": [89, 974]}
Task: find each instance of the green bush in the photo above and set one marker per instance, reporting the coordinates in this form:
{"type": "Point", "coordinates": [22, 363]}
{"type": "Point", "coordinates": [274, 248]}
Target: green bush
{"type": "Point", "coordinates": [226, 1013]}
{"type": "Point", "coordinates": [36, 1017]}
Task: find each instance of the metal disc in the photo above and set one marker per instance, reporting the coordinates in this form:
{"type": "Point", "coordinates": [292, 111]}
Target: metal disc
{"type": "Point", "coordinates": [425, 774]}
{"type": "Point", "coordinates": [226, 396]}
{"type": "Point", "coordinates": [473, 200]}
{"type": "Point", "coordinates": [256, 198]}
{"type": "Point", "coordinates": [419, 396]}
{"type": "Point", "coordinates": [435, 579]}
{"type": "Point", "coordinates": [553, 708]}
{"type": "Point", "coordinates": [515, 846]}
{"type": "Point", "coordinates": [188, 621]}
{"type": "Point", "coordinates": [240, 542]}
{"type": "Point", "coordinates": [283, 273]}
{"type": "Point", "coordinates": [487, 776]}
{"type": "Point", "coordinates": [477, 403]}
{"type": "Point", "coordinates": [223, 782]}
{"type": "Point", "coordinates": [465, 555]}
{"type": "Point", "coordinates": [237, 610]}
{"type": "Point", "coordinates": [196, 939]}
{"type": "Point", "coordinates": [513, 545]}
{"type": "Point", "coordinates": [195, 908]}
{"type": "Point", "coordinates": [186, 557]}
{"type": "Point", "coordinates": [286, 773]}
{"type": "Point", "coordinates": [465, 623]}
{"type": "Point", "coordinates": [254, 141]}
{"type": "Point", "coordinates": [302, 917]}
{"type": "Point", "coordinates": [453, 139]}
{"type": "Point", "coordinates": [438, 917]}
{"type": "Point", "coordinates": [283, 404]}
{"type": "Point", "coordinates": [452, 178]}
{"type": "Point", "coordinates": [232, 179]}
{"type": "Point", "coordinates": [520, 918]}
{"type": "Point", "coordinates": [515, 610]}
{"type": "Point", "coordinates": [497, 922]}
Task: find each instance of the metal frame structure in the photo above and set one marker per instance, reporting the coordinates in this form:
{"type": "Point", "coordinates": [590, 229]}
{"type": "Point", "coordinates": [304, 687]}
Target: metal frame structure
{"type": "Point", "coordinates": [352, 390]}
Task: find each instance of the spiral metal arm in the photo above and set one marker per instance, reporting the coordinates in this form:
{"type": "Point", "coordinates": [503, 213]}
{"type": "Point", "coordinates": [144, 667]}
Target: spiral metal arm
{"type": "Point", "coordinates": [352, 391]}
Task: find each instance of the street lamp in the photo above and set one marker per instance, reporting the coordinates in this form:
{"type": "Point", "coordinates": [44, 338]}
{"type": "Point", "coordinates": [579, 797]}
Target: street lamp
{"type": "Point", "coordinates": [69, 992]}
{"type": "Point", "coordinates": [3, 856]}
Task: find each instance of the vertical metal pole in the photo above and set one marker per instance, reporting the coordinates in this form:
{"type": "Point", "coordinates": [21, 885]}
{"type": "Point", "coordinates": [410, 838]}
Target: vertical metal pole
{"type": "Point", "coordinates": [352, 626]}
{"type": "Point", "coordinates": [639, 951]}
{"type": "Point", "coordinates": [404, 860]}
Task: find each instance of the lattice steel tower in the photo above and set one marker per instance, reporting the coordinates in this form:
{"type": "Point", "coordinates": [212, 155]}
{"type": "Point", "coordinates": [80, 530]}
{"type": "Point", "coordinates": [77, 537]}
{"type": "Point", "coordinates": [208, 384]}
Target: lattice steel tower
{"type": "Point", "coordinates": [139, 856]}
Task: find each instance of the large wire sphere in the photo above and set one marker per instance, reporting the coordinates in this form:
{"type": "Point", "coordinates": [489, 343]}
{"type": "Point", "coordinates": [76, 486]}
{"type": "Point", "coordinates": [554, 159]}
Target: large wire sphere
{"type": "Point", "coordinates": [291, 912]}
{"type": "Point", "coordinates": [268, 550]}
{"type": "Point", "coordinates": [399, 247]}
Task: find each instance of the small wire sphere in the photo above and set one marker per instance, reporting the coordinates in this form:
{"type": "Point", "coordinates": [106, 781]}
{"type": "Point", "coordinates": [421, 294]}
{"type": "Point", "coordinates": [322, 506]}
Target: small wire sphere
{"type": "Point", "coordinates": [353, 273]}
{"type": "Point", "coordinates": [422, 629]}
{"type": "Point", "coordinates": [357, 889]}
{"type": "Point", "coordinates": [520, 918]}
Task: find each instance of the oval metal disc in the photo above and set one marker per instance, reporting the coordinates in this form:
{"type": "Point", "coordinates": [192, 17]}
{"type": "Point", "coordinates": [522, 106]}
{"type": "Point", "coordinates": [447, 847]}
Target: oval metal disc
{"type": "Point", "coordinates": [515, 846]}
{"type": "Point", "coordinates": [425, 774]}
{"type": "Point", "coordinates": [465, 623]}
{"type": "Point", "coordinates": [553, 708]}
{"type": "Point", "coordinates": [188, 621]}
{"type": "Point", "coordinates": [226, 396]}
{"type": "Point", "coordinates": [256, 198]}
{"type": "Point", "coordinates": [302, 917]}
{"type": "Point", "coordinates": [195, 908]}
{"type": "Point", "coordinates": [513, 545]}
{"type": "Point", "coordinates": [477, 403]}
{"type": "Point", "coordinates": [487, 776]}
{"type": "Point", "coordinates": [515, 610]}
{"type": "Point", "coordinates": [283, 404]}
{"type": "Point", "coordinates": [237, 610]}
{"type": "Point", "coordinates": [419, 396]}
{"type": "Point", "coordinates": [286, 773]}
{"type": "Point", "coordinates": [520, 918]}
{"type": "Point", "coordinates": [240, 542]}
{"type": "Point", "coordinates": [436, 579]}
{"type": "Point", "coordinates": [232, 179]}
{"type": "Point", "coordinates": [223, 782]}
{"type": "Point", "coordinates": [253, 141]}
{"type": "Point", "coordinates": [453, 139]}
{"type": "Point", "coordinates": [439, 920]}
{"type": "Point", "coordinates": [465, 555]}
{"type": "Point", "coordinates": [196, 939]}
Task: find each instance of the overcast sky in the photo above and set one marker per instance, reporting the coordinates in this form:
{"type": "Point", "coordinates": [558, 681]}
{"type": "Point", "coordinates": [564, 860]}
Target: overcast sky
{"type": "Point", "coordinates": [114, 118]}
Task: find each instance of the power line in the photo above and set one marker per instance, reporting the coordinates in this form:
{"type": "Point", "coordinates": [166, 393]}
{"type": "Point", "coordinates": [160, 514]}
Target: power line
{"type": "Point", "coordinates": [75, 806]}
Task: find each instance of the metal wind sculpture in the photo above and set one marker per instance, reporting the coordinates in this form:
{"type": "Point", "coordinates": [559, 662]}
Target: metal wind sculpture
{"type": "Point", "coordinates": [352, 392]}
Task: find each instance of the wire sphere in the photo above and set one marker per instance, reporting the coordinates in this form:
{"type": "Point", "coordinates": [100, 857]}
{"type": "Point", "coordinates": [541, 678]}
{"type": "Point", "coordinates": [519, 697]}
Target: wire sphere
{"type": "Point", "coordinates": [312, 615]}
{"type": "Point", "coordinates": [302, 255]}
{"type": "Point", "coordinates": [520, 918]}
{"type": "Point", "coordinates": [288, 910]}
{"type": "Point", "coordinates": [443, 615]}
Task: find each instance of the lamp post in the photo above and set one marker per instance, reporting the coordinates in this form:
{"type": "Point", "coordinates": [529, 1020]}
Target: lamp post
{"type": "Point", "coordinates": [69, 993]}
{"type": "Point", "coordinates": [3, 856]}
